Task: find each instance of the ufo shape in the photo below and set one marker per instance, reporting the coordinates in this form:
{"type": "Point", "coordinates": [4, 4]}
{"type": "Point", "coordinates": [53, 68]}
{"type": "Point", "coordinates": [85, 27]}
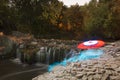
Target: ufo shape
{"type": "Point", "coordinates": [91, 44]}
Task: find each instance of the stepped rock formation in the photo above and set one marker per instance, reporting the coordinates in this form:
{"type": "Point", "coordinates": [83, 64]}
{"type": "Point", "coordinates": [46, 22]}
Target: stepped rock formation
{"type": "Point", "coordinates": [107, 67]}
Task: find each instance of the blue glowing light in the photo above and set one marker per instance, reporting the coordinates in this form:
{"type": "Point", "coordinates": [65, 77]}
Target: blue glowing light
{"type": "Point", "coordinates": [83, 55]}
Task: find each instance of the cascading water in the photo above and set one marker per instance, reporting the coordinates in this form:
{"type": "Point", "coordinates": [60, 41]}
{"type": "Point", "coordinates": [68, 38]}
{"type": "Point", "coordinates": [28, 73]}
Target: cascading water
{"type": "Point", "coordinates": [48, 55]}
{"type": "Point", "coordinates": [60, 56]}
{"type": "Point", "coordinates": [83, 55]}
{"type": "Point", "coordinates": [45, 55]}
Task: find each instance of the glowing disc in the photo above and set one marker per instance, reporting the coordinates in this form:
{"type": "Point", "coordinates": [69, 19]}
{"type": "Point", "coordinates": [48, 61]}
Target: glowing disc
{"type": "Point", "coordinates": [91, 44]}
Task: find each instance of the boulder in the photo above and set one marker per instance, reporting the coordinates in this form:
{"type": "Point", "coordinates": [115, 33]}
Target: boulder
{"type": "Point", "coordinates": [7, 46]}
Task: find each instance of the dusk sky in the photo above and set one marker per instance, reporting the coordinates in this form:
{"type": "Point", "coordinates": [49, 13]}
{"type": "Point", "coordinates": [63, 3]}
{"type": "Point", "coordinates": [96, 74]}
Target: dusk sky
{"type": "Point", "coordinates": [73, 2]}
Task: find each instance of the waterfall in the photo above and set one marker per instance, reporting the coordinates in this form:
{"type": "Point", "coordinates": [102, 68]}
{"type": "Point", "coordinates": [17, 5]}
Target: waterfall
{"type": "Point", "coordinates": [46, 55]}
{"type": "Point", "coordinates": [83, 55]}
{"type": "Point", "coordinates": [40, 55]}
{"type": "Point", "coordinates": [54, 54]}
{"type": "Point", "coordinates": [49, 55]}
{"type": "Point", "coordinates": [18, 54]}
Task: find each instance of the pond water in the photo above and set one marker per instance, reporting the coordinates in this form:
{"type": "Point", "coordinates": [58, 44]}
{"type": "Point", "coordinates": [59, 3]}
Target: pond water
{"type": "Point", "coordinates": [10, 70]}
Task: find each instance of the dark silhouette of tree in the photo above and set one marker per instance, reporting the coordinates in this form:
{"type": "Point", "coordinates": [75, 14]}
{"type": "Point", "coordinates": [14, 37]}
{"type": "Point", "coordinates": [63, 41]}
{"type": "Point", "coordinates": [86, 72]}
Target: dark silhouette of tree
{"type": "Point", "coordinates": [50, 18]}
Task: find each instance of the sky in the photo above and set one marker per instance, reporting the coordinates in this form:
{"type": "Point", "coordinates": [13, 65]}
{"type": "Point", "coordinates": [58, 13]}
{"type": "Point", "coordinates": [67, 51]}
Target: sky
{"type": "Point", "coordinates": [73, 2]}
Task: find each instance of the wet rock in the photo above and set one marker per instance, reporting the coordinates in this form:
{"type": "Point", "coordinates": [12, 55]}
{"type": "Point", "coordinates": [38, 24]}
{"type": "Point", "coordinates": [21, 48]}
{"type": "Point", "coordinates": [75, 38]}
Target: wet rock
{"type": "Point", "coordinates": [90, 70]}
{"type": "Point", "coordinates": [79, 76]}
{"type": "Point", "coordinates": [105, 77]}
{"type": "Point", "coordinates": [7, 46]}
{"type": "Point", "coordinates": [98, 77]}
{"type": "Point", "coordinates": [84, 78]}
{"type": "Point", "coordinates": [73, 78]}
{"type": "Point", "coordinates": [104, 68]}
{"type": "Point", "coordinates": [58, 68]}
{"type": "Point", "coordinates": [90, 78]}
{"type": "Point", "coordinates": [109, 72]}
{"type": "Point", "coordinates": [77, 65]}
{"type": "Point", "coordinates": [34, 43]}
{"type": "Point", "coordinates": [90, 73]}
{"type": "Point", "coordinates": [114, 66]}
{"type": "Point", "coordinates": [73, 73]}
{"type": "Point", "coordinates": [117, 49]}
{"type": "Point", "coordinates": [84, 66]}
{"type": "Point", "coordinates": [109, 68]}
{"type": "Point", "coordinates": [83, 73]}
{"type": "Point", "coordinates": [17, 33]}
{"type": "Point", "coordinates": [2, 50]}
{"type": "Point", "coordinates": [101, 71]}
{"type": "Point", "coordinates": [118, 70]}
{"type": "Point", "coordinates": [80, 69]}
{"type": "Point", "coordinates": [36, 78]}
{"type": "Point", "coordinates": [113, 77]}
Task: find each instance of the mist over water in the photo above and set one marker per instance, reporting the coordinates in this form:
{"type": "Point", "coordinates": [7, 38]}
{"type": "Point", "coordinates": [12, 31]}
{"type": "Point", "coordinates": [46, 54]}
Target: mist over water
{"type": "Point", "coordinates": [10, 70]}
{"type": "Point", "coordinates": [21, 71]}
{"type": "Point", "coordinates": [83, 55]}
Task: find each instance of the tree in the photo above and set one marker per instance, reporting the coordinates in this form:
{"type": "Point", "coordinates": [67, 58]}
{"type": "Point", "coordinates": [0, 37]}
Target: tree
{"type": "Point", "coordinates": [48, 18]}
{"type": "Point", "coordinates": [37, 16]}
{"type": "Point", "coordinates": [72, 20]}
{"type": "Point", "coordinates": [6, 17]}
{"type": "Point", "coordinates": [112, 22]}
{"type": "Point", "coordinates": [97, 14]}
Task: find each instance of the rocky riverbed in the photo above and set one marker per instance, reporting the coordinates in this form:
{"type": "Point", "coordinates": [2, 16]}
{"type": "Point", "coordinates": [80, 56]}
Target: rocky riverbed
{"type": "Point", "coordinates": [107, 67]}
{"type": "Point", "coordinates": [31, 50]}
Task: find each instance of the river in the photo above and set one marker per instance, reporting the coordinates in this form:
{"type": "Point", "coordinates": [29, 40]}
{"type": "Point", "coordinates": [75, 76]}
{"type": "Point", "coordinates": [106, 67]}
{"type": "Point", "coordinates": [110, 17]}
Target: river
{"type": "Point", "coordinates": [10, 70]}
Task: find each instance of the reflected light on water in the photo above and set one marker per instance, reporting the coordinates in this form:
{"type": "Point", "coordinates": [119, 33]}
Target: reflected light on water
{"type": "Point", "coordinates": [83, 55]}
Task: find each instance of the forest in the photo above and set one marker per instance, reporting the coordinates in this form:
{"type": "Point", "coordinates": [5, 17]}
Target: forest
{"type": "Point", "coordinates": [52, 19]}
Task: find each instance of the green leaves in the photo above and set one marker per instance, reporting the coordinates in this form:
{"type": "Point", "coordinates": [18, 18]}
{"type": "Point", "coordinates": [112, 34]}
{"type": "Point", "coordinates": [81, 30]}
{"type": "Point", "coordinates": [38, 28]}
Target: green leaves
{"type": "Point", "coordinates": [41, 17]}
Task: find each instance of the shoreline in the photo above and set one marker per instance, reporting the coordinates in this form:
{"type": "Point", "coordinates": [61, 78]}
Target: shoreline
{"type": "Point", "coordinates": [103, 68]}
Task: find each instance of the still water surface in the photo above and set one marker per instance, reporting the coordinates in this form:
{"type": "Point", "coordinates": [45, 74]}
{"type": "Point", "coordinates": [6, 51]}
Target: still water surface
{"type": "Point", "coordinates": [10, 70]}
